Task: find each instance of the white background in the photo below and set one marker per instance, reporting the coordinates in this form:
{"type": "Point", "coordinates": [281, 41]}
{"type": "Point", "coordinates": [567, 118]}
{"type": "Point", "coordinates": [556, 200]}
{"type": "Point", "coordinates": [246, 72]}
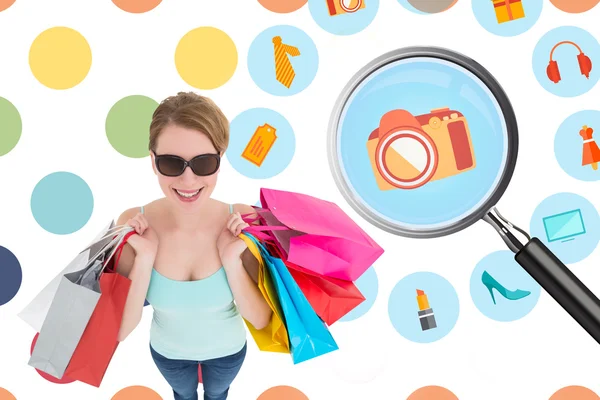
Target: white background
{"type": "Point", "coordinates": [133, 54]}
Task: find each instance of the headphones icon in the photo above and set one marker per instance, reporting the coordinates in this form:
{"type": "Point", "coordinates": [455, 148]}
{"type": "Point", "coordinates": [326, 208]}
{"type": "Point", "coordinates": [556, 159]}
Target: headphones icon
{"type": "Point", "coordinates": [585, 64]}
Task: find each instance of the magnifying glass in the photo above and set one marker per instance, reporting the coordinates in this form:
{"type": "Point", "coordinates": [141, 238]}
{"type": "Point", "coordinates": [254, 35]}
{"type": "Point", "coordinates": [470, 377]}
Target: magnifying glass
{"type": "Point", "coordinates": [422, 143]}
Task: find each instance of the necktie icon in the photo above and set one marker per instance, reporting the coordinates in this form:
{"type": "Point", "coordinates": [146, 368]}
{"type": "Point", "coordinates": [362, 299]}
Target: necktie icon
{"type": "Point", "coordinates": [284, 72]}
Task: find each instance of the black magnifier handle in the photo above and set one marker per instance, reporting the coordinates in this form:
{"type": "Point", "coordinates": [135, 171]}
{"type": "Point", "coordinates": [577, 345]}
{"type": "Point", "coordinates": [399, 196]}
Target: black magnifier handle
{"type": "Point", "coordinates": [551, 274]}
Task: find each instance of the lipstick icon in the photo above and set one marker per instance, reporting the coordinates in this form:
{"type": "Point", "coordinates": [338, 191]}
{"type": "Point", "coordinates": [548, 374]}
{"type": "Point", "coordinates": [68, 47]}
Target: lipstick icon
{"type": "Point", "coordinates": [425, 312]}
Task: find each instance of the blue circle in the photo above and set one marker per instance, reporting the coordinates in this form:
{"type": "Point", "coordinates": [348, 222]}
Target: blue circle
{"type": "Point", "coordinates": [420, 85]}
{"type": "Point", "coordinates": [62, 203]}
{"type": "Point", "coordinates": [569, 145]}
{"type": "Point", "coordinates": [403, 307]}
{"type": "Point", "coordinates": [367, 284]}
{"type": "Point", "coordinates": [242, 135]}
{"type": "Point", "coordinates": [572, 82]}
{"type": "Point", "coordinates": [11, 275]}
{"type": "Point", "coordinates": [302, 55]}
{"type": "Point", "coordinates": [440, 7]}
{"type": "Point", "coordinates": [500, 271]}
{"type": "Point", "coordinates": [568, 224]}
{"type": "Point", "coordinates": [499, 24]}
{"type": "Point", "coordinates": [328, 16]}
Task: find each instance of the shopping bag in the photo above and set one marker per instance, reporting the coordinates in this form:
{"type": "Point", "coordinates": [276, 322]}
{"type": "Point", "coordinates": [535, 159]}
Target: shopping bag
{"type": "Point", "coordinates": [308, 335]}
{"type": "Point", "coordinates": [74, 302]}
{"type": "Point", "coordinates": [331, 298]}
{"type": "Point", "coordinates": [99, 341]}
{"type": "Point", "coordinates": [273, 337]}
{"type": "Point", "coordinates": [35, 312]}
{"type": "Point", "coordinates": [316, 234]}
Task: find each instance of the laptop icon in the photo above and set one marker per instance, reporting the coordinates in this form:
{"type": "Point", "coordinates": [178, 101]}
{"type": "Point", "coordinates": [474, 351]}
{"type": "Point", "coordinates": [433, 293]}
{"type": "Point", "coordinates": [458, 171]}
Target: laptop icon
{"type": "Point", "coordinates": [564, 226]}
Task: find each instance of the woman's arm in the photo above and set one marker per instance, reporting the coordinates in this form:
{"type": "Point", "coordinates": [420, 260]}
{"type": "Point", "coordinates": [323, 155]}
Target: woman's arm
{"type": "Point", "coordinates": [136, 262]}
{"type": "Point", "coordinates": [240, 266]}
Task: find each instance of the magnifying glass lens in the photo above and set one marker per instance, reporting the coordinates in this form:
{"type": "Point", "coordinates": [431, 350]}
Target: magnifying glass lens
{"type": "Point", "coordinates": [419, 144]}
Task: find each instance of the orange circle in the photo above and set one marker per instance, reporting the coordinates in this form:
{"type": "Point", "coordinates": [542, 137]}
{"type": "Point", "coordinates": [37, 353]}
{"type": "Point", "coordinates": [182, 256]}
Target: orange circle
{"type": "Point", "coordinates": [4, 4]}
{"type": "Point", "coordinates": [575, 6]}
{"type": "Point", "coordinates": [135, 393]}
{"type": "Point", "coordinates": [574, 392]}
{"type": "Point", "coordinates": [432, 392]}
{"type": "Point", "coordinates": [136, 6]}
{"type": "Point", "coordinates": [282, 7]}
{"type": "Point", "coordinates": [282, 392]}
{"type": "Point", "coordinates": [5, 394]}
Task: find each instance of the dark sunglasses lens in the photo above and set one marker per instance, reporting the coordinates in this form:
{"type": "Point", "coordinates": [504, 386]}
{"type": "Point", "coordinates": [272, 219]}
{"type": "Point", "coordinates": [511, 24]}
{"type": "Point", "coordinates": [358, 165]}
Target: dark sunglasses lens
{"type": "Point", "coordinates": [169, 166]}
{"type": "Point", "coordinates": [205, 165]}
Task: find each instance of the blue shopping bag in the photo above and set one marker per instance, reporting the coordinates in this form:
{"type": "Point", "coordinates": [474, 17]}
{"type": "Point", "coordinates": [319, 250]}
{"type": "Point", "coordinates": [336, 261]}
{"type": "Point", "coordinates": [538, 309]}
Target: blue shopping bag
{"type": "Point", "coordinates": [309, 337]}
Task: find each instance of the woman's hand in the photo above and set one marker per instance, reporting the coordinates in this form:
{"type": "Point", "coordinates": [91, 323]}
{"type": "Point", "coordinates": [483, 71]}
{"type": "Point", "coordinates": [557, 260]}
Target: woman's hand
{"type": "Point", "coordinates": [145, 243]}
{"type": "Point", "coordinates": [230, 246]}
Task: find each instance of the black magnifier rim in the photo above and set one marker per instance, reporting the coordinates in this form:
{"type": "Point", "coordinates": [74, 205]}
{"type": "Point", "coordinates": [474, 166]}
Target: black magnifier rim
{"type": "Point", "coordinates": [439, 53]}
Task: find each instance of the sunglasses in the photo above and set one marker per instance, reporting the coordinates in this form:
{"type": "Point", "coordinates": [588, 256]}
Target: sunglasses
{"type": "Point", "coordinates": [202, 165]}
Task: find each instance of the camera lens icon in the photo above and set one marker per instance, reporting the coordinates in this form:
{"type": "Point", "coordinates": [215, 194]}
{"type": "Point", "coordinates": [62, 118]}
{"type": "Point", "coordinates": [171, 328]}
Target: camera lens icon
{"type": "Point", "coordinates": [408, 151]}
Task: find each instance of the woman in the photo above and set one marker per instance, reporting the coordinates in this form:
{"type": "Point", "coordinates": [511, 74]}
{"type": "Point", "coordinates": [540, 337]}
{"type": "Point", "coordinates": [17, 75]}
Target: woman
{"type": "Point", "coordinates": [186, 258]}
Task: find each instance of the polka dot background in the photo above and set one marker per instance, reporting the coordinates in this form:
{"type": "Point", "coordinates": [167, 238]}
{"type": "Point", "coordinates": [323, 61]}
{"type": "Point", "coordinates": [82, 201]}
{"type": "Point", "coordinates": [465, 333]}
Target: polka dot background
{"type": "Point", "coordinates": [137, 6]}
{"type": "Point", "coordinates": [11, 126]}
{"type": "Point", "coordinates": [62, 202]}
{"type": "Point", "coordinates": [128, 125]}
{"type": "Point", "coordinates": [11, 275]}
{"type": "Point", "coordinates": [57, 78]}
{"type": "Point", "coordinates": [282, 392]}
{"type": "Point", "coordinates": [574, 392]}
{"type": "Point", "coordinates": [135, 393]}
{"type": "Point", "coordinates": [432, 392]}
{"type": "Point", "coordinates": [282, 7]}
{"type": "Point", "coordinates": [6, 395]}
{"type": "Point", "coordinates": [60, 58]}
{"type": "Point", "coordinates": [206, 57]}
{"type": "Point", "coordinates": [575, 7]}
{"type": "Point", "coordinates": [5, 4]}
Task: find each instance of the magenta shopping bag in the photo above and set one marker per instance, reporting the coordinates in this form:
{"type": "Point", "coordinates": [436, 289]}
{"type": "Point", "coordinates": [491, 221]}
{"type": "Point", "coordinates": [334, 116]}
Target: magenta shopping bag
{"type": "Point", "coordinates": [316, 234]}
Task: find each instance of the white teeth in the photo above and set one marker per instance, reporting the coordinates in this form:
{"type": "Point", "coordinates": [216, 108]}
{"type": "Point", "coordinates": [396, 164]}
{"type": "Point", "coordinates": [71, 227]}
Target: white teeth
{"type": "Point", "coordinates": [187, 195]}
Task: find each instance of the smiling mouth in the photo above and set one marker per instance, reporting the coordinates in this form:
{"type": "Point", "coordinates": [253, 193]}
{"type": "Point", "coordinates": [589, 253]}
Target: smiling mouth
{"type": "Point", "coordinates": [188, 194]}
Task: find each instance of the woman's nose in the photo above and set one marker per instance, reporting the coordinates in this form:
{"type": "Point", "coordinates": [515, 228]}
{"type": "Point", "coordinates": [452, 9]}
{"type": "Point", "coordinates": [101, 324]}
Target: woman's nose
{"type": "Point", "coordinates": [188, 175]}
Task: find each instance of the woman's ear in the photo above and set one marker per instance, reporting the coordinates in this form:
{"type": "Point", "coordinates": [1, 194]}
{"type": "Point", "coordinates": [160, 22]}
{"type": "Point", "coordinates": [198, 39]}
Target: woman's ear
{"type": "Point", "coordinates": [153, 163]}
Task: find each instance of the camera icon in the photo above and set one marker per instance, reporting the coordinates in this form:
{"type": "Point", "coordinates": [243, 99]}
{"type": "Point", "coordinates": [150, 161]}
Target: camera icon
{"type": "Point", "coordinates": [407, 151]}
{"type": "Point", "coordinates": [339, 7]}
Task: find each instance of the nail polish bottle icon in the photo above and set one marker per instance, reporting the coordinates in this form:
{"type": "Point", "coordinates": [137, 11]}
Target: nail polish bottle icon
{"type": "Point", "coordinates": [425, 312]}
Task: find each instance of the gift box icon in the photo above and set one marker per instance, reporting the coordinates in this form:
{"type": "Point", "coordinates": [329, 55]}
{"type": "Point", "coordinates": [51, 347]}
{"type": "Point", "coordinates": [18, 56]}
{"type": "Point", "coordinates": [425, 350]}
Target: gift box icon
{"type": "Point", "coordinates": [508, 10]}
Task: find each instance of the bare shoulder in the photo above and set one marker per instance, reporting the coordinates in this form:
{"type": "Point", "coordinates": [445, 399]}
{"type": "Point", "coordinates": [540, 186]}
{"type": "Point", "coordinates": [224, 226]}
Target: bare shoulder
{"type": "Point", "coordinates": [243, 208]}
{"type": "Point", "coordinates": [127, 215]}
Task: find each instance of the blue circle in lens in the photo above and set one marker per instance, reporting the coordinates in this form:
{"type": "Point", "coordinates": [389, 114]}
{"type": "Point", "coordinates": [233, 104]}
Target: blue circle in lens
{"type": "Point", "coordinates": [420, 85]}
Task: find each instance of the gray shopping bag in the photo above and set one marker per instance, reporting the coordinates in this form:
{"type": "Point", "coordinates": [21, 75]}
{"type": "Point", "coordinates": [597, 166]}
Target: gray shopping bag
{"type": "Point", "coordinates": [72, 307]}
{"type": "Point", "coordinates": [35, 312]}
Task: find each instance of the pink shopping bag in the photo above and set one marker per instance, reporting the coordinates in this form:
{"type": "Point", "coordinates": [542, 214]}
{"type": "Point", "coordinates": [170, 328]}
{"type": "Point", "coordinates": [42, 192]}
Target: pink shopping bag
{"type": "Point", "coordinates": [316, 234]}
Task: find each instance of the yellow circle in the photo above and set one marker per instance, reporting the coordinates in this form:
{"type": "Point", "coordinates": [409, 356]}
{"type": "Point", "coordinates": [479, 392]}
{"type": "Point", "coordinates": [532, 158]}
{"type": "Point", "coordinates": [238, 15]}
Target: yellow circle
{"type": "Point", "coordinates": [206, 58]}
{"type": "Point", "coordinates": [60, 58]}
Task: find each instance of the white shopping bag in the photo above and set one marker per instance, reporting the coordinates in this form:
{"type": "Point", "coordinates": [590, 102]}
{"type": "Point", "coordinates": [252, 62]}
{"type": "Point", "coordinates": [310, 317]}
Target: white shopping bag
{"type": "Point", "coordinates": [36, 311]}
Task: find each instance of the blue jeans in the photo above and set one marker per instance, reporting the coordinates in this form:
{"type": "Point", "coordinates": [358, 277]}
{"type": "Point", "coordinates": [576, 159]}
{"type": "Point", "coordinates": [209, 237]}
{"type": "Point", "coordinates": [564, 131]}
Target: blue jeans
{"type": "Point", "coordinates": [217, 375]}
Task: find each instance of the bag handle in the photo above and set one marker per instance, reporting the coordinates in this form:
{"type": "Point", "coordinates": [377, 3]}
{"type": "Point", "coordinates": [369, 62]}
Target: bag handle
{"type": "Point", "coordinates": [102, 250]}
{"type": "Point", "coordinates": [118, 249]}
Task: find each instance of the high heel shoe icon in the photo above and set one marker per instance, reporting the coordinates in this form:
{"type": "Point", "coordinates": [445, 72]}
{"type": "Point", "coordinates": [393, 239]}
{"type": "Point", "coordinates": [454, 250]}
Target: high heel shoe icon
{"type": "Point", "coordinates": [492, 283]}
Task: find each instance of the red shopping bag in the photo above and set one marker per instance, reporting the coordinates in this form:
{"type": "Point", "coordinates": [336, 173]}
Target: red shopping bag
{"type": "Point", "coordinates": [331, 298]}
{"type": "Point", "coordinates": [316, 234]}
{"type": "Point", "coordinates": [100, 337]}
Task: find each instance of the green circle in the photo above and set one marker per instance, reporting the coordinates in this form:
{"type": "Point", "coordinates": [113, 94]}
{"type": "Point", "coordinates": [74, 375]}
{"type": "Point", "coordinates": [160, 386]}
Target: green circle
{"type": "Point", "coordinates": [128, 125]}
{"type": "Point", "coordinates": [10, 126]}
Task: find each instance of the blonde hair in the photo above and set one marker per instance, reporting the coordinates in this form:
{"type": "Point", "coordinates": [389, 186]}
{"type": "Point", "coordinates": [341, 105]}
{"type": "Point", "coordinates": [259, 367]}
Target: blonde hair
{"type": "Point", "coordinates": [190, 110]}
